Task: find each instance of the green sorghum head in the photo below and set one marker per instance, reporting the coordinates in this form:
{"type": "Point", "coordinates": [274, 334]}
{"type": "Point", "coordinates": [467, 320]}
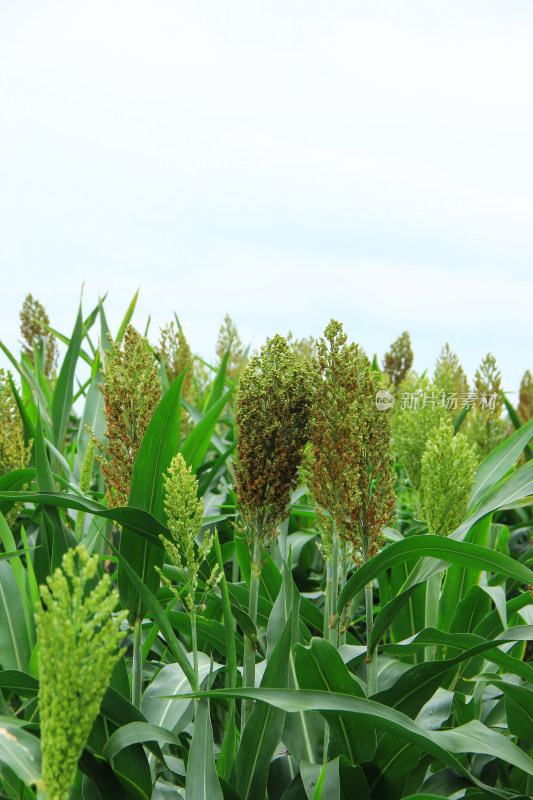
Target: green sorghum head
{"type": "Point", "coordinates": [450, 378]}
{"type": "Point", "coordinates": [184, 511]}
{"type": "Point", "coordinates": [447, 476]}
{"type": "Point", "coordinates": [273, 406]}
{"type": "Point", "coordinates": [418, 412]}
{"type": "Point", "coordinates": [229, 338]}
{"type": "Point", "coordinates": [33, 322]}
{"type": "Point", "coordinates": [350, 466]}
{"type": "Point", "coordinates": [13, 452]}
{"type": "Point", "coordinates": [486, 428]}
{"type": "Point", "coordinates": [78, 648]}
{"type": "Point", "coordinates": [132, 391]}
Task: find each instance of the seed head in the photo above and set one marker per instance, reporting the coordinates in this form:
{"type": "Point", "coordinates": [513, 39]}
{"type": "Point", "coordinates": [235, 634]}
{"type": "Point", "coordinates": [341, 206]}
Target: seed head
{"type": "Point", "coordinates": [132, 390]}
{"type": "Point", "coordinates": [78, 649]}
{"type": "Point", "coordinates": [273, 406]}
{"type": "Point", "coordinates": [13, 452]}
{"type": "Point", "coordinates": [486, 428]}
{"type": "Point", "coordinates": [525, 404]}
{"type": "Point", "coordinates": [184, 511]}
{"type": "Point", "coordinates": [33, 321]}
{"type": "Point", "coordinates": [447, 477]}
{"type": "Point", "coordinates": [350, 469]}
{"type": "Point", "coordinates": [398, 361]}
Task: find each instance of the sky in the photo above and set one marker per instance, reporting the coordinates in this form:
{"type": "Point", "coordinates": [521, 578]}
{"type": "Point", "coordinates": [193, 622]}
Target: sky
{"type": "Point", "coordinates": [283, 162]}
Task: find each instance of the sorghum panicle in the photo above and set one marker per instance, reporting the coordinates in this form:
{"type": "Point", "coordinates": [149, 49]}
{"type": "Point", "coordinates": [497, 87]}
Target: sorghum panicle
{"type": "Point", "coordinates": [525, 401]}
{"type": "Point", "coordinates": [33, 319]}
{"type": "Point", "coordinates": [486, 428]}
{"type": "Point", "coordinates": [132, 391]}
{"type": "Point", "coordinates": [450, 378]}
{"type": "Point", "coordinates": [184, 511]}
{"type": "Point", "coordinates": [413, 424]}
{"type": "Point", "coordinates": [273, 406]}
{"type": "Point", "coordinates": [78, 648]}
{"type": "Point", "coordinates": [13, 452]}
{"type": "Point", "coordinates": [350, 468]}
{"type": "Point", "coordinates": [175, 351]}
{"type": "Point", "coordinates": [229, 338]}
{"type": "Point", "coordinates": [447, 477]}
{"type": "Point", "coordinates": [398, 361]}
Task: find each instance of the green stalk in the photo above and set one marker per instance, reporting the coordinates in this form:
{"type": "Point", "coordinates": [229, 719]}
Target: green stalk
{"type": "Point", "coordinates": [227, 753]}
{"type": "Point", "coordinates": [137, 665]}
{"type": "Point", "coordinates": [228, 622]}
{"type": "Point", "coordinates": [432, 611]}
{"type": "Point", "coordinates": [327, 602]}
{"type": "Point", "coordinates": [194, 637]}
{"type": "Point", "coordinates": [333, 630]}
{"type": "Point", "coordinates": [249, 645]}
{"type": "Point", "coordinates": [371, 660]}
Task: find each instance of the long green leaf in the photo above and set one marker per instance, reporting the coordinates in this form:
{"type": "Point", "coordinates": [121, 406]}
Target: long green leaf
{"type": "Point", "coordinates": [159, 445]}
{"type": "Point", "coordinates": [202, 781]}
{"type": "Point", "coordinates": [366, 711]}
{"type": "Point", "coordinates": [493, 468]}
{"type": "Point", "coordinates": [447, 549]}
{"type": "Point", "coordinates": [21, 751]}
{"type": "Point", "coordinates": [64, 388]}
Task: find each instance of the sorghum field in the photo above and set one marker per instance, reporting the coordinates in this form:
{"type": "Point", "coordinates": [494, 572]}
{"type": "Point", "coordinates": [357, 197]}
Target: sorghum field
{"type": "Point", "coordinates": [297, 574]}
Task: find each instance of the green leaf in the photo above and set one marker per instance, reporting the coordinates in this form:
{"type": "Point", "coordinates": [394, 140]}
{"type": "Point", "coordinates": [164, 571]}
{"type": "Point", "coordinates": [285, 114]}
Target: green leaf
{"type": "Point", "coordinates": [202, 781]}
{"type": "Point", "coordinates": [196, 444]}
{"type": "Point", "coordinates": [474, 737]}
{"type": "Point", "coordinates": [366, 711]}
{"type": "Point", "coordinates": [20, 751]}
{"type": "Point", "coordinates": [15, 646]}
{"type": "Point", "coordinates": [519, 710]}
{"type": "Point", "coordinates": [159, 446]}
{"type": "Point", "coordinates": [135, 519]}
{"type": "Point", "coordinates": [157, 614]}
{"type": "Point", "coordinates": [448, 549]}
{"type": "Point", "coordinates": [64, 388]}
{"type": "Point", "coordinates": [127, 316]}
{"type": "Point", "coordinates": [263, 730]}
{"type": "Point", "coordinates": [320, 667]}
{"type": "Point", "coordinates": [135, 733]}
{"type": "Point", "coordinates": [496, 465]}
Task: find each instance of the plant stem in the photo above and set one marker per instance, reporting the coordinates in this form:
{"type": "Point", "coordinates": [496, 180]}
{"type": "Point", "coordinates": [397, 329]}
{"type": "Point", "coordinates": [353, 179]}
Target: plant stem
{"type": "Point", "coordinates": [334, 630]}
{"type": "Point", "coordinates": [194, 637]}
{"type": "Point", "coordinates": [371, 660]}
{"type": "Point", "coordinates": [249, 645]}
{"type": "Point", "coordinates": [432, 611]}
{"type": "Point", "coordinates": [137, 665]}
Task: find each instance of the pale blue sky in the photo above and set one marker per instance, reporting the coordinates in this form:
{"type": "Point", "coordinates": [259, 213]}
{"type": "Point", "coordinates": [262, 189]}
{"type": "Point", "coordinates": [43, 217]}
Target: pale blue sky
{"type": "Point", "coordinates": [285, 162]}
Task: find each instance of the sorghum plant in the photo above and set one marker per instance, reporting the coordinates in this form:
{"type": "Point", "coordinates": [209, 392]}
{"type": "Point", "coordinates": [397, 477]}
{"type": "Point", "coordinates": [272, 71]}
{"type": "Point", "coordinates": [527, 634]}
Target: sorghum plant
{"type": "Point", "coordinates": [350, 466]}
{"type": "Point", "coordinates": [13, 452]}
{"type": "Point", "coordinates": [273, 406]}
{"type": "Point", "coordinates": [450, 379]}
{"type": "Point", "coordinates": [132, 390]}
{"type": "Point", "coordinates": [525, 401]}
{"type": "Point", "coordinates": [33, 321]}
{"type": "Point", "coordinates": [229, 339]}
{"type": "Point", "coordinates": [174, 350]}
{"type": "Point", "coordinates": [419, 411]}
{"type": "Point", "coordinates": [78, 648]}
{"type": "Point", "coordinates": [447, 477]}
{"type": "Point", "coordinates": [486, 427]}
{"type": "Point", "coordinates": [184, 511]}
{"type": "Point", "coordinates": [398, 361]}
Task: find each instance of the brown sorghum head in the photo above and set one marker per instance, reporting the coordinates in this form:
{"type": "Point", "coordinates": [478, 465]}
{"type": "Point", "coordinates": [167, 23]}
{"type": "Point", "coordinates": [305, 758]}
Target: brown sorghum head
{"type": "Point", "coordinates": [273, 407]}
{"type": "Point", "coordinates": [132, 391]}
{"type": "Point", "coordinates": [350, 465]}
{"type": "Point", "coordinates": [399, 360]}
